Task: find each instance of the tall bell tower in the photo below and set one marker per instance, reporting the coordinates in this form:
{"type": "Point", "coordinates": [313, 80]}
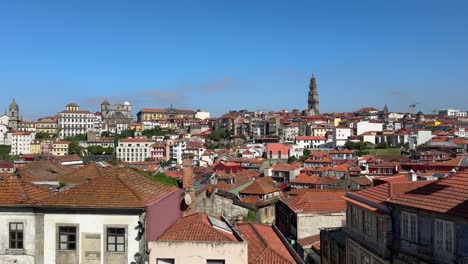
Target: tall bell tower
{"type": "Point", "coordinates": [313, 100]}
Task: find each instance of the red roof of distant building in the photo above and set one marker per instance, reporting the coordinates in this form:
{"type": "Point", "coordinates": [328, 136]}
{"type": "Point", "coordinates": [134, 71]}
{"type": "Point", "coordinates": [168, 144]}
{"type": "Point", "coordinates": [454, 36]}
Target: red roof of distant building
{"type": "Point", "coordinates": [129, 140]}
{"type": "Point", "coordinates": [317, 202]}
{"type": "Point", "coordinates": [264, 245]}
{"type": "Point", "coordinates": [197, 227]}
{"type": "Point", "coordinates": [310, 138]}
{"type": "Point", "coordinates": [260, 186]}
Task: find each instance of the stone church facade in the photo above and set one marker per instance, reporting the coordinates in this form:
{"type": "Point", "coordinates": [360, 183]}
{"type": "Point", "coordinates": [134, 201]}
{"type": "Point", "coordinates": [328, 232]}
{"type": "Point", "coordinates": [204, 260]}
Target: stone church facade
{"type": "Point", "coordinates": [116, 115]}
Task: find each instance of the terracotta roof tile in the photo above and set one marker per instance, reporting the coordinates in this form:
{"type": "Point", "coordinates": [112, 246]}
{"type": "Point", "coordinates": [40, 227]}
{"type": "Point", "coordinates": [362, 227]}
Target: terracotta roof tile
{"type": "Point", "coordinates": [197, 227]}
{"type": "Point", "coordinates": [309, 241]}
{"type": "Point", "coordinates": [115, 188]}
{"type": "Point", "coordinates": [264, 245]}
{"type": "Point", "coordinates": [260, 186]}
{"type": "Point", "coordinates": [15, 192]}
{"type": "Point", "coordinates": [44, 170]}
{"type": "Point", "coordinates": [448, 196]}
{"type": "Point", "coordinates": [317, 202]}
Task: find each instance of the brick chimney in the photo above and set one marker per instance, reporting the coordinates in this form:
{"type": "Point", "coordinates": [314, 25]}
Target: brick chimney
{"type": "Point", "coordinates": [187, 182]}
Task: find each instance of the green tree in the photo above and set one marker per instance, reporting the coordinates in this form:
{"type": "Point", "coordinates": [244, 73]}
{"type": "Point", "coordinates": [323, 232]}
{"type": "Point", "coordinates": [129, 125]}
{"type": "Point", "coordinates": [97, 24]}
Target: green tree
{"type": "Point", "coordinates": [157, 131]}
{"type": "Point", "coordinates": [292, 159]}
{"type": "Point", "coordinates": [106, 134]}
{"type": "Point", "coordinates": [305, 155]}
{"type": "Point", "coordinates": [42, 135]}
{"type": "Point", "coordinates": [382, 145]}
{"type": "Point", "coordinates": [74, 148]}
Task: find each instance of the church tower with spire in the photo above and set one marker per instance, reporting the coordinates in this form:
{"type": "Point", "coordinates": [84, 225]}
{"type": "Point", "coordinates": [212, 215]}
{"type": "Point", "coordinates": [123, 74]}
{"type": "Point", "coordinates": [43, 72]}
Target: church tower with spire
{"type": "Point", "coordinates": [313, 100]}
{"type": "Point", "coordinates": [13, 113]}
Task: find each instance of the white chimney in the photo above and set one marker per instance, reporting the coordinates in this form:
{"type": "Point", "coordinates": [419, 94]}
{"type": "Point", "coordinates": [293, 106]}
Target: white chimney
{"type": "Point", "coordinates": [412, 176]}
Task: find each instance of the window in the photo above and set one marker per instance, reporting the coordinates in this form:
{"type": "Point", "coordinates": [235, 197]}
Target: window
{"type": "Point", "coordinates": [16, 235]}
{"type": "Point", "coordinates": [164, 261]}
{"type": "Point", "coordinates": [215, 261]}
{"type": "Point", "coordinates": [365, 258]}
{"type": "Point", "coordinates": [352, 255]}
{"type": "Point", "coordinates": [366, 223]}
{"type": "Point", "coordinates": [409, 227]}
{"type": "Point", "coordinates": [115, 239]}
{"type": "Point", "coordinates": [443, 236]}
{"type": "Point", "coordinates": [381, 230]}
{"type": "Point", "coordinates": [67, 237]}
{"type": "Point", "coordinates": [354, 217]}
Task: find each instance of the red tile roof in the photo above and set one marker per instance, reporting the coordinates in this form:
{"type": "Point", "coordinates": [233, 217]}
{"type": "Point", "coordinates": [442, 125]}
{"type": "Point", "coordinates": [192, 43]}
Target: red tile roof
{"type": "Point", "coordinates": [317, 202]}
{"type": "Point", "coordinates": [382, 193]}
{"type": "Point", "coordinates": [129, 140]}
{"type": "Point", "coordinates": [44, 170]}
{"type": "Point", "coordinates": [115, 188]}
{"type": "Point", "coordinates": [306, 179]}
{"type": "Point", "coordinates": [264, 245]}
{"type": "Point", "coordinates": [197, 227]}
{"type": "Point", "coordinates": [448, 196]}
{"type": "Point", "coordinates": [309, 241]}
{"type": "Point", "coordinates": [260, 186]}
{"type": "Point", "coordinates": [310, 138]}
{"type": "Point", "coordinates": [15, 192]}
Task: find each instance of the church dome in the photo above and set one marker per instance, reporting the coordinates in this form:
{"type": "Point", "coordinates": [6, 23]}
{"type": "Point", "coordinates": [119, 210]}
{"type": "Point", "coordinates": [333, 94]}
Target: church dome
{"type": "Point", "coordinates": [105, 102]}
{"type": "Point", "coordinates": [127, 103]}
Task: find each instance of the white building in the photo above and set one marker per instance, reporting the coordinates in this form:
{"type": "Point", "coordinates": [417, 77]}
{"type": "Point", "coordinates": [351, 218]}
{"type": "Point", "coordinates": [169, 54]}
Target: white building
{"type": "Point", "coordinates": [21, 142]}
{"type": "Point", "coordinates": [290, 132]}
{"type": "Point", "coordinates": [340, 136]}
{"type": "Point", "coordinates": [453, 112]}
{"type": "Point", "coordinates": [4, 135]}
{"type": "Point", "coordinates": [133, 149]}
{"type": "Point", "coordinates": [366, 126]}
{"type": "Point", "coordinates": [311, 142]}
{"type": "Point", "coordinates": [420, 137]}
{"type": "Point", "coordinates": [106, 220]}
{"type": "Point", "coordinates": [202, 115]}
{"type": "Point", "coordinates": [74, 121]}
{"type": "Point", "coordinates": [177, 149]}
{"type": "Point", "coordinates": [4, 119]}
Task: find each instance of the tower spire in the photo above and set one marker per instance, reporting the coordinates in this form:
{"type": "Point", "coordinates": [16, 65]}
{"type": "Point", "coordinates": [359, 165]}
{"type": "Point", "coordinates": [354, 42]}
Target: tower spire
{"type": "Point", "coordinates": [313, 101]}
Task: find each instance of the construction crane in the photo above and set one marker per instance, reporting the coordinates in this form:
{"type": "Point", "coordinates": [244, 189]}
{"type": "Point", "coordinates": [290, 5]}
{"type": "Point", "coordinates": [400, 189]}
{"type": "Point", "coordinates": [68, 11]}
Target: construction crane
{"type": "Point", "coordinates": [413, 106]}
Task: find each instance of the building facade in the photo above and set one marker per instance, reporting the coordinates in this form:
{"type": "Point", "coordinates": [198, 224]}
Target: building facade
{"type": "Point", "coordinates": [74, 121]}
{"type": "Point", "coordinates": [134, 149]}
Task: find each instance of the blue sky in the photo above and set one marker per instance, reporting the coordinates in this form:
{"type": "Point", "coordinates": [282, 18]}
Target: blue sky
{"type": "Point", "coordinates": [225, 55]}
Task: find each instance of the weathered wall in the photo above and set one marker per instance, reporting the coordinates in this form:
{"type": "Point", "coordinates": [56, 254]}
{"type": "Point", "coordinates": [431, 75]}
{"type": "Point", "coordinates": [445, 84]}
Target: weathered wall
{"type": "Point", "coordinates": [199, 252]}
{"type": "Point", "coordinates": [310, 224]}
{"type": "Point", "coordinates": [219, 206]}
{"type": "Point", "coordinates": [89, 224]}
{"type": "Point", "coordinates": [28, 220]}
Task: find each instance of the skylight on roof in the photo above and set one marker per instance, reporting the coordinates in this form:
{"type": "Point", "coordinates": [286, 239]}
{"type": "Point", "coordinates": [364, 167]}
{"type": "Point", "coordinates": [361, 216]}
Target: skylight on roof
{"type": "Point", "coordinates": [219, 224]}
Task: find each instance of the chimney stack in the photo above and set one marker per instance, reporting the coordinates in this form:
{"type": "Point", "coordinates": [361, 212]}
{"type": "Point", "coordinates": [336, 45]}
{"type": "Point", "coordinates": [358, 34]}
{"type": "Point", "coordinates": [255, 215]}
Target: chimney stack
{"type": "Point", "coordinates": [412, 176]}
{"type": "Point", "coordinates": [187, 183]}
{"type": "Point", "coordinates": [187, 163]}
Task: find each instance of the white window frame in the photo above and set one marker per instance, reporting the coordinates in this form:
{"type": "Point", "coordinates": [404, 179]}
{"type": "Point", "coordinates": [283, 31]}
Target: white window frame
{"type": "Point", "coordinates": [406, 227]}
{"type": "Point", "coordinates": [444, 240]}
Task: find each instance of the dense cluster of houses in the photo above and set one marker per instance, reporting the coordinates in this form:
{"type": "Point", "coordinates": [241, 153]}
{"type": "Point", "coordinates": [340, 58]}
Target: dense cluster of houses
{"type": "Point", "coordinates": [371, 186]}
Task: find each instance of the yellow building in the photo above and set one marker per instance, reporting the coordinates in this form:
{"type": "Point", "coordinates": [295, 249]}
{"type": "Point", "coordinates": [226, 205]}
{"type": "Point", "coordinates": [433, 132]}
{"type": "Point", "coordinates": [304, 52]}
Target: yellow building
{"type": "Point", "coordinates": [47, 125]}
{"type": "Point", "coordinates": [433, 123]}
{"type": "Point", "coordinates": [60, 148]}
{"type": "Point", "coordinates": [35, 147]}
{"type": "Point", "coordinates": [148, 114]}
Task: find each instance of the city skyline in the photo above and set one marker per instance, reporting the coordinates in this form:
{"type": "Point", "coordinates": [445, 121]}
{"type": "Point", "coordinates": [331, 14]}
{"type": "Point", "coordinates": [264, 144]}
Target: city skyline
{"type": "Point", "coordinates": [230, 56]}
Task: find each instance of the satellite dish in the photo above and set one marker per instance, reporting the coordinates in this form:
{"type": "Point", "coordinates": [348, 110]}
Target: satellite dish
{"type": "Point", "coordinates": [187, 199]}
